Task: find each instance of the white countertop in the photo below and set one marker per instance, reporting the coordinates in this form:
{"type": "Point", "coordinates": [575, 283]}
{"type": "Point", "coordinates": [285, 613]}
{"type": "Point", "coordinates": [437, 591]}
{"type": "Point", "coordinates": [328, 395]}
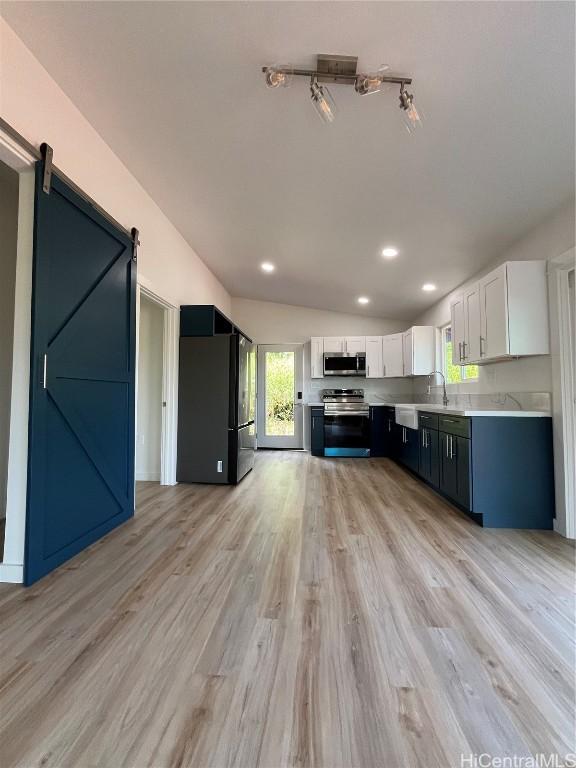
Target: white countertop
{"type": "Point", "coordinates": [455, 411]}
{"type": "Point", "coordinates": [472, 411]}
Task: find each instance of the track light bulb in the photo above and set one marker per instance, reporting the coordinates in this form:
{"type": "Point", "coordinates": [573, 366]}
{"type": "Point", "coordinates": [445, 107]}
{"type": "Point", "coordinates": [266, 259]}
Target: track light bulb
{"type": "Point", "coordinates": [323, 102]}
{"type": "Point", "coordinates": [409, 112]}
{"type": "Point", "coordinates": [278, 76]}
{"type": "Point", "coordinates": [371, 82]}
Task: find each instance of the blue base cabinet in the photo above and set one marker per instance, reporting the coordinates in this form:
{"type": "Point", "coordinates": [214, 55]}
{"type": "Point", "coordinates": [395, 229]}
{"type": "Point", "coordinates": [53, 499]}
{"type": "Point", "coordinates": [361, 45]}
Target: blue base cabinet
{"type": "Point", "coordinates": [407, 447]}
{"type": "Point", "coordinates": [497, 469]}
{"type": "Point", "coordinates": [317, 431]}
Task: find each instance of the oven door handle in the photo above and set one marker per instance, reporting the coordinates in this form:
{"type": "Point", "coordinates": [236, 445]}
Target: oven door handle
{"type": "Point", "coordinates": [366, 414]}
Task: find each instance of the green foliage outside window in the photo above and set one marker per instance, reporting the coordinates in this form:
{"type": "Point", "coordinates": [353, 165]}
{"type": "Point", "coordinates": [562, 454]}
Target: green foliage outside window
{"type": "Point", "coordinates": [279, 393]}
{"type": "Point", "coordinates": [455, 373]}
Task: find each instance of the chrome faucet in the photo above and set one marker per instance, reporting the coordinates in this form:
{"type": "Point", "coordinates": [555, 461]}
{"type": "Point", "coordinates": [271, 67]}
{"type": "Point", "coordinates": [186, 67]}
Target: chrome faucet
{"type": "Point", "coordinates": [444, 396]}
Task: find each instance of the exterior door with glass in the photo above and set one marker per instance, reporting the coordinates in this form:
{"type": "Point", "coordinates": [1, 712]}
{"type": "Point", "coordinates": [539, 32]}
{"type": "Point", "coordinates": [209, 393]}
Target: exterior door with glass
{"type": "Point", "coordinates": [280, 413]}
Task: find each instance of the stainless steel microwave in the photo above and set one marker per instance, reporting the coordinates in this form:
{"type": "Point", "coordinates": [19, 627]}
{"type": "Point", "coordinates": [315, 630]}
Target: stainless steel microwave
{"type": "Point", "coordinates": [344, 364]}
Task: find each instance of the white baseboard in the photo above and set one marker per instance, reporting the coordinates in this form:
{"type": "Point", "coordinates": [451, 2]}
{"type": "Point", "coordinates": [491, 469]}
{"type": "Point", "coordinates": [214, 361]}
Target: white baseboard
{"type": "Point", "coordinates": [11, 574]}
{"type": "Point", "coordinates": [148, 476]}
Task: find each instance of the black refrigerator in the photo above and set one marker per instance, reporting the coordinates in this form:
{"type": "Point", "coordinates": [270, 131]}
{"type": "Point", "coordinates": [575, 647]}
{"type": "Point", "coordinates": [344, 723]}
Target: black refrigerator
{"type": "Point", "coordinates": [216, 409]}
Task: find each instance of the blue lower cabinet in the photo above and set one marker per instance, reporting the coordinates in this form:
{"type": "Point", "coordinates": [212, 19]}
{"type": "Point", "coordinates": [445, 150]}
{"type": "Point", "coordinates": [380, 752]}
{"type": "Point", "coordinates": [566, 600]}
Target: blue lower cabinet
{"type": "Point", "coordinates": [407, 447]}
{"type": "Point", "coordinates": [497, 469]}
{"type": "Point", "coordinates": [454, 469]}
{"type": "Point", "coordinates": [317, 431]}
{"type": "Point", "coordinates": [379, 437]}
{"type": "Point", "coordinates": [428, 459]}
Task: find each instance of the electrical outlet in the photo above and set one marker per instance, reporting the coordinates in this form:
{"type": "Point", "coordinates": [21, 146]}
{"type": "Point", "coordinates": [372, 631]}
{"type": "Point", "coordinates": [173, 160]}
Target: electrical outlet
{"type": "Point", "coordinates": [219, 466]}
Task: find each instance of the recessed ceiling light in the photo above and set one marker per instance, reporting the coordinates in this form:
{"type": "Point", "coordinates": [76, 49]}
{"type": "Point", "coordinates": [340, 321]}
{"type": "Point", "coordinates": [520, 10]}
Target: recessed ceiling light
{"type": "Point", "coordinates": [428, 287]}
{"type": "Point", "coordinates": [266, 266]}
{"type": "Point", "coordinates": [389, 252]}
{"type": "Point", "coordinates": [363, 300]}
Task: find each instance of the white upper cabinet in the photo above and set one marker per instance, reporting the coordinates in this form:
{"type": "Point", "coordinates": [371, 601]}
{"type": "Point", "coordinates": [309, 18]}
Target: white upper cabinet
{"type": "Point", "coordinates": [419, 350]}
{"type": "Point", "coordinates": [494, 314]}
{"type": "Point", "coordinates": [457, 326]}
{"type": "Point", "coordinates": [374, 361]}
{"type": "Point", "coordinates": [355, 344]}
{"type": "Point", "coordinates": [392, 355]}
{"type": "Point", "coordinates": [471, 345]}
{"type": "Point", "coordinates": [465, 324]}
{"type": "Point", "coordinates": [504, 314]}
{"type": "Point", "coordinates": [317, 357]}
{"type": "Point", "coordinates": [334, 344]}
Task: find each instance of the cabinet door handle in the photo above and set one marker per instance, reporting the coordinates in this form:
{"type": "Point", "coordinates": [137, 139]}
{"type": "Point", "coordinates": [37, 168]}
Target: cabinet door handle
{"type": "Point", "coordinates": [482, 340]}
{"type": "Point", "coordinates": [383, 370]}
{"type": "Point", "coordinates": [423, 438]}
{"type": "Point", "coordinates": [460, 350]}
{"type": "Point", "coordinates": [464, 355]}
{"type": "Point", "coordinates": [447, 446]}
{"type": "Point", "coordinates": [367, 370]}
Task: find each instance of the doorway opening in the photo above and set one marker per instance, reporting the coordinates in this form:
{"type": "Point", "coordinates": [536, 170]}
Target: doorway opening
{"type": "Point", "coordinates": [156, 389]}
{"type": "Point", "coordinates": [9, 190]}
{"type": "Point", "coordinates": [280, 412]}
{"type": "Point", "coordinates": [150, 403]}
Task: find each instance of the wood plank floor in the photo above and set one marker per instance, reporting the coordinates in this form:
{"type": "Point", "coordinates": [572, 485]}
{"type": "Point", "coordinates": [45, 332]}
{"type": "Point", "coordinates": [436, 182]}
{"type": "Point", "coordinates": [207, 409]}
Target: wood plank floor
{"type": "Point", "coordinates": [327, 613]}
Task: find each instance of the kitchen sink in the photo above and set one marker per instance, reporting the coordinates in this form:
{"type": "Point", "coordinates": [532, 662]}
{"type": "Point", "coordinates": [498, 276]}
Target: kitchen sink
{"type": "Point", "coordinates": [406, 415]}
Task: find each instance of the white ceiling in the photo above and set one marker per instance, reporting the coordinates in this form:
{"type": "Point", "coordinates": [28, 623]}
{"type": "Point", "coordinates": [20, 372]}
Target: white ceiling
{"type": "Point", "coordinates": [248, 174]}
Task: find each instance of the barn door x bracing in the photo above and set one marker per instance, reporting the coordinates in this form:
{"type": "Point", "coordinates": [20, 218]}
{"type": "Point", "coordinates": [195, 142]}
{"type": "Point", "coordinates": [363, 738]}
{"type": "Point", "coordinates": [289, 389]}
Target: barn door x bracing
{"type": "Point", "coordinates": [81, 455]}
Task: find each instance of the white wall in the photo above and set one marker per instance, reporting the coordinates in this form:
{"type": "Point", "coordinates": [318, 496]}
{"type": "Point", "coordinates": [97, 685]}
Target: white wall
{"type": "Point", "coordinates": [551, 238]}
{"type": "Point", "coordinates": [149, 408]}
{"type": "Point", "coordinates": [35, 105]}
{"type": "Point", "coordinates": [8, 240]}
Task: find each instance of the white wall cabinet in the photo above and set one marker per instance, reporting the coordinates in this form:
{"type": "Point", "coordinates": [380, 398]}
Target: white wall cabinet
{"type": "Point", "coordinates": [355, 344]}
{"type": "Point", "coordinates": [374, 359]}
{"type": "Point", "coordinates": [392, 356]}
{"type": "Point", "coordinates": [334, 344]}
{"type": "Point", "coordinates": [419, 350]}
{"type": "Point", "coordinates": [504, 314]}
{"type": "Point", "coordinates": [317, 357]}
{"type": "Point", "coordinates": [465, 325]}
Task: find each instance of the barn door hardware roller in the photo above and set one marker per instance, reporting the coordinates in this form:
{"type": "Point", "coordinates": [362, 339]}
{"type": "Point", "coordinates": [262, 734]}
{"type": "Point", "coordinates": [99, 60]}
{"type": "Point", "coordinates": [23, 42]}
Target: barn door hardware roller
{"type": "Point", "coordinates": [47, 153]}
{"type": "Point", "coordinates": [135, 243]}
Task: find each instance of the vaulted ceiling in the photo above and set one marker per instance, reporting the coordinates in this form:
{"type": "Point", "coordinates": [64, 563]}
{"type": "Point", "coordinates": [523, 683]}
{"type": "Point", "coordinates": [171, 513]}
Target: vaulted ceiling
{"type": "Point", "coordinates": [249, 174]}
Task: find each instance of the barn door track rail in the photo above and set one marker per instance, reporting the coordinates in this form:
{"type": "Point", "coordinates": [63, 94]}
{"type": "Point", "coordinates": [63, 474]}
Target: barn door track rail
{"type": "Point", "coordinates": [45, 153]}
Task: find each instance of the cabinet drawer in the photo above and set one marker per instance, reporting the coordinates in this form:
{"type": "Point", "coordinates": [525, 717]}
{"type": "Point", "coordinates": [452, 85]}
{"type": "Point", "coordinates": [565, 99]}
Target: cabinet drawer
{"type": "Point", "coordinates": [428, 420]}
{"type": "Point", "coordinates": [454, 425]}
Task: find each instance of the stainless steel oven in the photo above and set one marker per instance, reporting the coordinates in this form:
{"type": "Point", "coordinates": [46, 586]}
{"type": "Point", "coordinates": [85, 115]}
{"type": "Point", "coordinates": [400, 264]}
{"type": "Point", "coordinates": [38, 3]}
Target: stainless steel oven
{"type": "Point", "coordinates": [346, 423]}
{"type": "Point", "coordinates": [344, 364]}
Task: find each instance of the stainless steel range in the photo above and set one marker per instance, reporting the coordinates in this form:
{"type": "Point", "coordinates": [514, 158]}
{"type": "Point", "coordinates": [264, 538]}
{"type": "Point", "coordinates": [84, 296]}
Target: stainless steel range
{"type": "Point", "coordinates": [346, 423]}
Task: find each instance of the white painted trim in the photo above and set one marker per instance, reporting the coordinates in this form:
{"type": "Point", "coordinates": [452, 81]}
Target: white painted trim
{"type": "Point", "coordinates": [14, 155]}
{"type": "Point", "coordinates": [562, 265]}
{"type": "Point", "coordinates": [12, 568]}
{"type": "Point", "coordinates": [296, 441]}
{"type": "Point", "coordinates": [11, 573]}
{"type": "Point", "coordinates": [171, 326]}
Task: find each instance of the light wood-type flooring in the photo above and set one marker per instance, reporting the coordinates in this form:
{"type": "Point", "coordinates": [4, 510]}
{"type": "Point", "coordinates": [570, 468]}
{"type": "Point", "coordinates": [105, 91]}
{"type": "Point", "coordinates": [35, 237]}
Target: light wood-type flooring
{"type": "Point", "coordinates": [325, 612]}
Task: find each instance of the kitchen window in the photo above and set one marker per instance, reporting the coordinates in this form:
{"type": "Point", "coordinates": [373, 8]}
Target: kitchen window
{"type": "Point", "coordinates": [455, 374]}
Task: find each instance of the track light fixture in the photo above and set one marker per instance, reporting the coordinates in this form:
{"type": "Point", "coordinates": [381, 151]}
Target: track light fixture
{"type": "Point", "coordinates": [322, 100]}
{"type": "Point", "coordinates": [341, 70]}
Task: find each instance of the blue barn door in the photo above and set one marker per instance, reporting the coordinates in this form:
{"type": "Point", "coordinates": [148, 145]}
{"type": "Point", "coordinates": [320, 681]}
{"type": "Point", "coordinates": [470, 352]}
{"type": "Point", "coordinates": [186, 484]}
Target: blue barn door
{"type": "Point", "coordinates": [81, 426]}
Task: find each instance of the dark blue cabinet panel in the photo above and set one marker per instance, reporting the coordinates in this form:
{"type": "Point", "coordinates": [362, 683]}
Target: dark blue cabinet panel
{"type": "Point", "coordinates": [81, 424]}
{"type": "Point", "coordinates": [513, 471]}
{"type": "Point", "coordinates": [379, 435]}
{"type": "Point", "coordinates": [428, 466]}
{"type": "Point", "coordinates": [317, 431]}
{"type": "Point", "coordinates": [407, 447]}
